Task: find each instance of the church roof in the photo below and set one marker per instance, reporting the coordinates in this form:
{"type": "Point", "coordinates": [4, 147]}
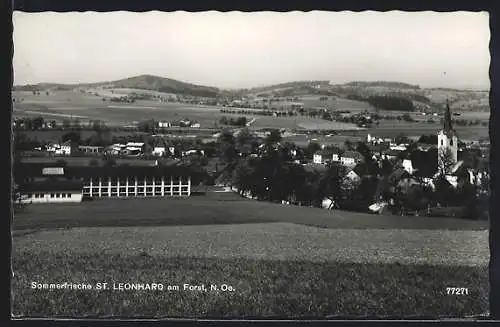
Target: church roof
{"type": "Point", "coordinates": [447, 122]}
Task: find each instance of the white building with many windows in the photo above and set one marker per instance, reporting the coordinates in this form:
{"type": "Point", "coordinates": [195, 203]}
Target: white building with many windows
{"type": "Point", "coordinates": [71, 184]}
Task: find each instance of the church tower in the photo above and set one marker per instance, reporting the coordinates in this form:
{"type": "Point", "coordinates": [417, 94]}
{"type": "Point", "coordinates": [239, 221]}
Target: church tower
{"type": "Point", "coordinates": [447, 137]}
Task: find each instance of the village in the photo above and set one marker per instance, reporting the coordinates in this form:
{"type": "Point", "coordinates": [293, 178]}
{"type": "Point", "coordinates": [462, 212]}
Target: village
{"type": "Point", "coordinates": [420, 174]}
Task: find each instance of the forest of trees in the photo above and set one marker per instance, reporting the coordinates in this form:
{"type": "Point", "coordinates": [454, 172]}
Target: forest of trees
{"type": "Point", "coordinates": [240, 121]}
{"type": "Point", "coordinates": [386, 102]}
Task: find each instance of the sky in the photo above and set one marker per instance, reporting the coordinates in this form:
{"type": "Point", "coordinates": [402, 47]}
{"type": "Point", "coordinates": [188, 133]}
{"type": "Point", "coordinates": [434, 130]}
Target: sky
{"type": "Point", "coordinates": [242, 50]}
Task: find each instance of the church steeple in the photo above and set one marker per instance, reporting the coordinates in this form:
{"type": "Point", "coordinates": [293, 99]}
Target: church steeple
{"type": "Point", "coordinates": [447, 125]}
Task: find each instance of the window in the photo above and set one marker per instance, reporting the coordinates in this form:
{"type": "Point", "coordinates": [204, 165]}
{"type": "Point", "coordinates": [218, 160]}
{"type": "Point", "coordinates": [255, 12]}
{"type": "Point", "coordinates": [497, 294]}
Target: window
{"type": "Point", "coordinates": [52, 195]}
{"type": "Point", "coordinates": [58, 195]}
{"type": "Point", "coordinates": [451, 142]}
{"type": "Point", "coordinates": [442, 142]}
{"type": "Point", "coordinates": [29, 195]}
{"type": "Point", "coordinates": [40, 195]}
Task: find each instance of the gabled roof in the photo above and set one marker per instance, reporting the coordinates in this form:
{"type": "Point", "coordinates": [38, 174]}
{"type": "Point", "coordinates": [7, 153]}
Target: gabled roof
{"type": "Point", "coordinates": [353, 154]}
{"type": "Point", "coordinates": [35, 170]}
{"type": "Point", "coordinates": [139, 144]}
{"type": "Point", "coordinates": [457, 167]}
{"type": "Point", "coordinates": [360, 169]}
{"type": "Point", "coordinates": [329, 152]}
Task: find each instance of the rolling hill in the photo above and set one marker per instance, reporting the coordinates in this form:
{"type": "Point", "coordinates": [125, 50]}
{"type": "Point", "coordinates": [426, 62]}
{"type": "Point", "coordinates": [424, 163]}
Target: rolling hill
{"type": "Point", "coordinates": [467, 100]}
{"type": "Point", "coordinates": [142, 82]}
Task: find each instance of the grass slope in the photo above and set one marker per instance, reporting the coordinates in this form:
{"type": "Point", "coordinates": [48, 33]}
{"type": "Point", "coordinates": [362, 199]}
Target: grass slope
{"type": "Point", "coordinates": [215, 208]}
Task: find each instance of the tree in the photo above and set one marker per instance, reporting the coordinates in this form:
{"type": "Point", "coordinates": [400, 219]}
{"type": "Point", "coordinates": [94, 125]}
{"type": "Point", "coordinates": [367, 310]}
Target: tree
{"type": "Point", "coordinates": [444, 193]}
{"type": "Point", "coordinates": [37, 123]}
{"type": "Point", "coordinates": [402, 139]}
{"type": "Point", "coordinates": [227, 144]}
{"type": "Point", "coordinates": [311, 149]}
{"type": "Point", "coordinates": [274, 137]}
{"type": "Point", "coordinates": [76, 124]}
{"type": "Point", "coordinates": [66, 124]}
{"type": "Point", "coordinates": [72, 136]}
{"type": "Point", "coordinates": [330, 186]}
{"type": "Point", "coordinates": [242, 176]}
{"type": "Point", "coordinates": [445, 161]}
{"type": "Point", "coordinates": [245, 141]}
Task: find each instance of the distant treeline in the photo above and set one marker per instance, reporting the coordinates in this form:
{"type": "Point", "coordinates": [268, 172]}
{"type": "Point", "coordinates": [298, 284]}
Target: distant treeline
{"type": "Point", "coordinates": [385, 102]}
{"type": "Point", "coordinates": [193, 92]}
{"type": "Point", "coordinates": [384, 84]}
{"type": "Point", "coordinates": [240, 121]}
{"type": "Point", "coordinates": [288, 85]}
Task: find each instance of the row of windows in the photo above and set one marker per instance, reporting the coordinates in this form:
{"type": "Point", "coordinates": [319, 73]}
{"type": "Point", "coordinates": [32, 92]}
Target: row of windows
{"type": "Point", "coordinates": [139, 191]}
{"type": "Point", "coordinates": [157, 181]}
{"type": "Point", "coordinates": [113, 194]}
{"type": "Point", "coordinates": [132, 188]}
{"type": "Point", "coordinates": [91, 150]}
{"type": "Point", "coordinates": [52, 195]}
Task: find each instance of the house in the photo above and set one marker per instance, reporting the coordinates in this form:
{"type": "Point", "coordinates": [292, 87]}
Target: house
{"type": "Point", "coordinates": [159, 151]}
{"type": "Point", "coordinates": [378, 207]}
{"type": "Point", "coordinates": [164, 124]}
{"type": "Point", "coordinates": [408, 166]}
{"type": "Point", "coordinates": [378, 149]}
{"type": "Point", "coordinates": [90, 149]}
{"type": "Point", "coordinates": [398, 147]}
{"type": "Point", "coordinates": [66, 148]}
{"type": "Point", "coordinates": [352, 176]}
{"type": "Point", "coordinates": [116, 149]}
{"type": "Point", "coordinates": [318, 158]}
{"type": "Point", "coordinates": [193, 152]}
{"type": "Point", "coordinates": [196, 125]}
{"type": "Point", "coordinates": [51, 191]}
{"type": "Point", "coordinates": [185, 123]}
{"type": "Point", "coordinates": [391, 154]}
{"type": "Point", "coordinates": [326, 156]}
{"type": "Point", "coordinates": [460, 173]}
{"type": "Point", "coordinates": [351, 158]}
{"type": "Point", "coordinates": [135, 148]}
{"type": "Point", "coordinates": [47, 185]}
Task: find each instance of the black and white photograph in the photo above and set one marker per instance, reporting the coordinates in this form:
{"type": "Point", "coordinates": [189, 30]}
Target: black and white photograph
{"type": "Point", "coordinates": [250, 165]}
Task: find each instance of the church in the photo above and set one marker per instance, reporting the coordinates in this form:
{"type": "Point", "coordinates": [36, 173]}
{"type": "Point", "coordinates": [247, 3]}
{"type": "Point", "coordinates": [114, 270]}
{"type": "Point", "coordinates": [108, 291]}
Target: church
{"type": "Point", "coordinates": [447, 139]}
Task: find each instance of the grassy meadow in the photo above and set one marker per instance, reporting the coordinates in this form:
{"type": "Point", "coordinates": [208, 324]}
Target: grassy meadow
{"type": "Point", "coordinates": [282, 261]}
{"type": "Point", "coordinates": [261, 288]}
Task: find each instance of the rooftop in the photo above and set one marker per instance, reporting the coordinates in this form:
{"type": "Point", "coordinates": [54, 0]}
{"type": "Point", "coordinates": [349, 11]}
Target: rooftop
{"type": "Point", "coordinates": [35, 170]}
{"type": "Point", "coordinates": [51, 184]}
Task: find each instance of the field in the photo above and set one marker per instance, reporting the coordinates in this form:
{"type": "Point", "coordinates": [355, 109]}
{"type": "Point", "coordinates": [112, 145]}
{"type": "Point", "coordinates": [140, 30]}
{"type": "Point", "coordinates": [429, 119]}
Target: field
{"type": "Point", "coordinates": [85, 107]}
{"type": "Point", "coordinates": [71, 105]}
{"type": "Point", "coordinates": [66, 105]}
{"type": "Point", "coordinates": [281, 261]}
{"type": "Point", "coordinates": [394, 128]}
{"type": "Point", "coordinates": [338, 103]}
